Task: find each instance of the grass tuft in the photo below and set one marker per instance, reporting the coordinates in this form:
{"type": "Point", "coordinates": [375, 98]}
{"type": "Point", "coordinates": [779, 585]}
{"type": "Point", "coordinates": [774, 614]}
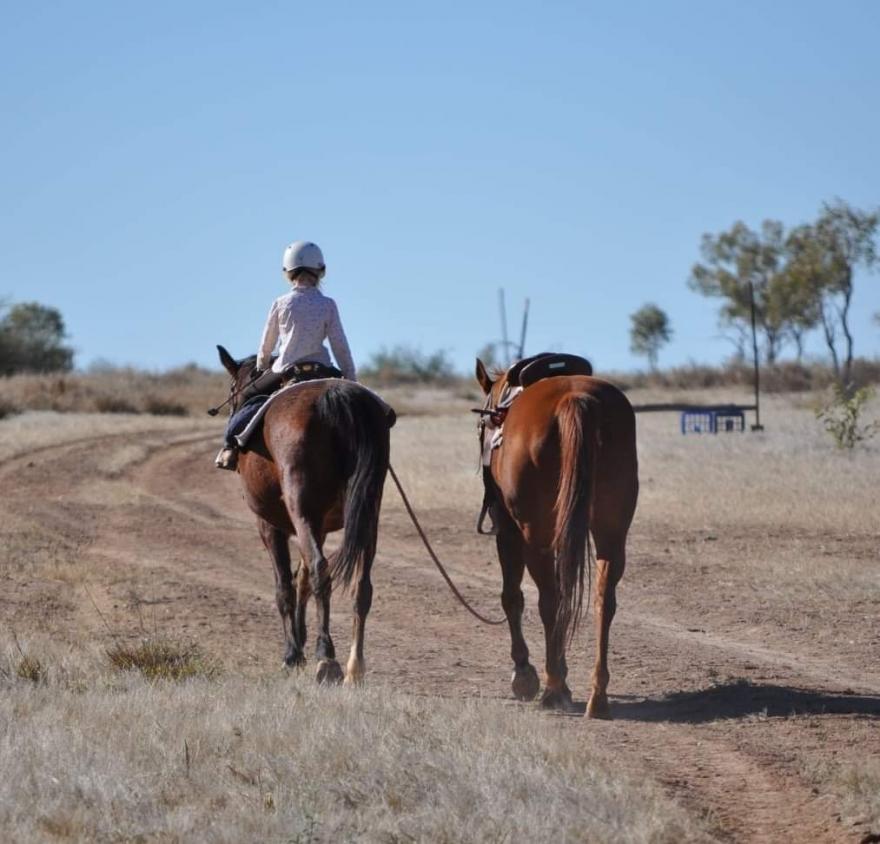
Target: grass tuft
{"type": "Point", "coordinates": [30, 668]}
{"type": "Point", "coordinates": [162, 659]}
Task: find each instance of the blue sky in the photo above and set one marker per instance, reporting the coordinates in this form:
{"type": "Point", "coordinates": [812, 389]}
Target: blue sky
{"type": "Point", "coordinates": [158, 157]}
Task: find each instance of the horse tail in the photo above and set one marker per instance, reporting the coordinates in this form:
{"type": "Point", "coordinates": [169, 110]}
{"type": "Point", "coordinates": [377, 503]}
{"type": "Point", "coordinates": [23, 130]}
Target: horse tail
{"type": "Point", "coordinates": [362, 441]}
{"type": "Point", "coordinates": [578, 435]}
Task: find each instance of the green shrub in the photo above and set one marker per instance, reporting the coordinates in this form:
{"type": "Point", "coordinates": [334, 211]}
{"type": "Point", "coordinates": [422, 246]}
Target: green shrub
{"type": "Point", "coordinates": [841, 417]}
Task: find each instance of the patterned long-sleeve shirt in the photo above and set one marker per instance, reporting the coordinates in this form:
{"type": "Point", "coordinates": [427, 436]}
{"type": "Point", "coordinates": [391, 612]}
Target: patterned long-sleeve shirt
{"type": "Point", "coordinates": [303, 319]}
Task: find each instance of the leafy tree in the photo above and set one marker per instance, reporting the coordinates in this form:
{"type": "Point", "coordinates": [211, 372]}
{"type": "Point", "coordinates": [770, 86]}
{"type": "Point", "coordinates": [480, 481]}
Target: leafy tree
{"type": "Point", "coordinates": [823, 260]}
{"type": "Point", "coordinates": [649, 331]}
{"type": "Point", "coordinates": [31, 340]}
{"type": "Point", "coordinates": [795, 305]}
{"type": "Point", "coordinates": [732, 260]}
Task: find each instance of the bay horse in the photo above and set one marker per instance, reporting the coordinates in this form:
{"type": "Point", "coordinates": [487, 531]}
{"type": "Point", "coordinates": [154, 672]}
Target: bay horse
{"type": "Point", "coordinates": [318, 465]}
{"type": "Point", "coordinates": [566, 468]}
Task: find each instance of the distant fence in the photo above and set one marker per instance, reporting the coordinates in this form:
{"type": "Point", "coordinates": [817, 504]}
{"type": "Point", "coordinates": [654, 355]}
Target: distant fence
{"type": "Point", "coordinates": [705, 418]}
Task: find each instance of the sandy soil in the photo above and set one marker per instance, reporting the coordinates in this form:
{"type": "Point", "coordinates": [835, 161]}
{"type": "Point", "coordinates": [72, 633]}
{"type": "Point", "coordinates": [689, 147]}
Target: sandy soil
{"type": "Point", "coordinates": [730, 699]}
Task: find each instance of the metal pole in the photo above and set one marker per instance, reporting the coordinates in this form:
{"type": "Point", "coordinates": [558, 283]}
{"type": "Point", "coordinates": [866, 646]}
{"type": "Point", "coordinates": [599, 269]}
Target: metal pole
{"type": "Point", "coordinates": [522, 336]}
{"type": "Point", "coordinates": [504, 341]}
{"type": "Point", "coordinates": [757, 426]}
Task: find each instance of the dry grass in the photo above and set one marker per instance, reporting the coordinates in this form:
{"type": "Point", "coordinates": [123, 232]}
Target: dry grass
{"type": "Point", "coordinates": [188, 391]}
{"type": "Point", "coordinates": [789, 476]}
{"type": "Point", "coordinates": [88, 757]}
{"type": "Point", "coordinates": [858, 786]}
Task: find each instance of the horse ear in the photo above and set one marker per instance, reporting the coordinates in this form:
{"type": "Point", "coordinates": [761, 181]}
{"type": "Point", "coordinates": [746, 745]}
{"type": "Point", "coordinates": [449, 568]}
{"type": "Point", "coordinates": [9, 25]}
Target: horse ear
{"type": "Point", "coordinates": [229, 362]}
{"type": "Point", "coordinates": [483, 377]}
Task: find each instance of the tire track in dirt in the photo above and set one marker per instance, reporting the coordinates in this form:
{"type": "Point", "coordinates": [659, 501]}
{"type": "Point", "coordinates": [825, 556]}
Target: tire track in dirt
{"type": "Point", "coordinates": [183, 536]}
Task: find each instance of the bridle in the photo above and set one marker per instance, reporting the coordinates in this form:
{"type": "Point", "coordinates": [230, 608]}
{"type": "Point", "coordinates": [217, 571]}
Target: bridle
{"type": "Point", "coordinates": [494, 414]}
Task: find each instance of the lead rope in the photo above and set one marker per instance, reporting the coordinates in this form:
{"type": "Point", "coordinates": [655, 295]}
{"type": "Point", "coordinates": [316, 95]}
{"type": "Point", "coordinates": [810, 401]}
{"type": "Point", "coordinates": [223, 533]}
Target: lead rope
{"type": "Point", "coordinates": [433, 556]}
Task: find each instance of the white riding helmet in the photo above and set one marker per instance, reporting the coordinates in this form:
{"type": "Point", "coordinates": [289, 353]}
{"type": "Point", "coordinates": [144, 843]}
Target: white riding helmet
{"type": "Point", "coordinates": [305, 254]}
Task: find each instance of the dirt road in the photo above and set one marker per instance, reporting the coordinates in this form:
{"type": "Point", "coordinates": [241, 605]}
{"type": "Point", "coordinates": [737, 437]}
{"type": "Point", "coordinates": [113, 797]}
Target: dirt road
{"type": "Point", "coordinates": [738, 704]}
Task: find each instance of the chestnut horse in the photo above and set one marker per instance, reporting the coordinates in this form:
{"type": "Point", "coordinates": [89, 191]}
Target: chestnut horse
{"type": "Point", "coordinates": [317, 465]}
{"type": "Point", "coordinates": [566, 468]}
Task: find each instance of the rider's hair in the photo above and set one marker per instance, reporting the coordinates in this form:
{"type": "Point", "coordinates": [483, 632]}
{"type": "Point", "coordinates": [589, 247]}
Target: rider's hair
{"type": "Point", "coordinates": [313, 277]}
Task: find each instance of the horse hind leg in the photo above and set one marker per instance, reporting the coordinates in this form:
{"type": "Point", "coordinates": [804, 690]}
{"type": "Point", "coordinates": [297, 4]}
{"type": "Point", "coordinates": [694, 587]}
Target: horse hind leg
{"type": "Point", "coordinates": [303, 593]}
{"type": "Point", "coordinates": [328, 670]}
{"type": "Point", "coordinates": [557, 694]}
{"type": "Point", "coordinates": [609, 570]}
{"type": "Point", "coordinates": [276, 543]}
{"type": "Point", "coordinates": [524, 682]}
{"type": "Point", "coordinates": [354, 670]}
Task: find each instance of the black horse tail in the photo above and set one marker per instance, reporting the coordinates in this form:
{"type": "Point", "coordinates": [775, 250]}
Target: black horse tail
{"type": "Point", "coordinates": [362, 441]}
{"type": "Point", "coordinates": [577, 438]}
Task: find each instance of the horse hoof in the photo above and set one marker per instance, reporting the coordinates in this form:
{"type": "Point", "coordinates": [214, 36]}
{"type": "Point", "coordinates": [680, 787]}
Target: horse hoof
{"type": "Point", "coordinates": [525, 683]}
{"type": "Point", "coordinates": [354, 673]}
{"type": "Point", "coordinates": [598, 708]}
{"type": "Point", "coordinates": [558, 699]}
{"type": "Point", "coordinates": [294, 659]}
{"type": "Point", "coordinates": [328, 673]}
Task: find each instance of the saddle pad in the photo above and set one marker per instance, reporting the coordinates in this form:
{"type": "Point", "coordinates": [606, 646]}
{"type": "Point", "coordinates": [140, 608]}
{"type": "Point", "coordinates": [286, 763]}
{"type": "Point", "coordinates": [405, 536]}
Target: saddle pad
{"type": "Point", "coordinates": [245, 435]}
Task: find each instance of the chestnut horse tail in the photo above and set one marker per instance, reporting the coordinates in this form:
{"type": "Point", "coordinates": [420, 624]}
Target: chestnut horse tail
{"type": "Point", "coordinates": [578, 432]}
{"type": "Point", "coordinates": [362, 443]}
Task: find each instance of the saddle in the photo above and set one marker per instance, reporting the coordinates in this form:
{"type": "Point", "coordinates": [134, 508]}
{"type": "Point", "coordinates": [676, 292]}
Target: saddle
{"type": "Point", "coordinates": [308, 370]}
{"type": "Point", "coordinates": [526, 372]}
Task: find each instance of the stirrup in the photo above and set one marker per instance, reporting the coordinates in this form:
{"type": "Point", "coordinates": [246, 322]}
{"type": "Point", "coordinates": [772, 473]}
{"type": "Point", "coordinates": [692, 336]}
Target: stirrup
{"type": "Point", "coordinates": [227, 459]}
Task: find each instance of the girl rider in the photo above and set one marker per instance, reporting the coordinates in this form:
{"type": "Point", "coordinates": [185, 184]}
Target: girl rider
{"type": "Point", "coordinates": [302, 319]}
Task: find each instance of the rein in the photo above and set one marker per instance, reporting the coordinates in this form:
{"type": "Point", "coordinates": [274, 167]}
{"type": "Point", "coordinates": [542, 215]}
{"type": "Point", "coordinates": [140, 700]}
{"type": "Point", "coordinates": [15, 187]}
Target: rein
{"type": "Point", "coordinates": [234, 394]}
{"type": "Point", "coordinates": [433, 556]}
